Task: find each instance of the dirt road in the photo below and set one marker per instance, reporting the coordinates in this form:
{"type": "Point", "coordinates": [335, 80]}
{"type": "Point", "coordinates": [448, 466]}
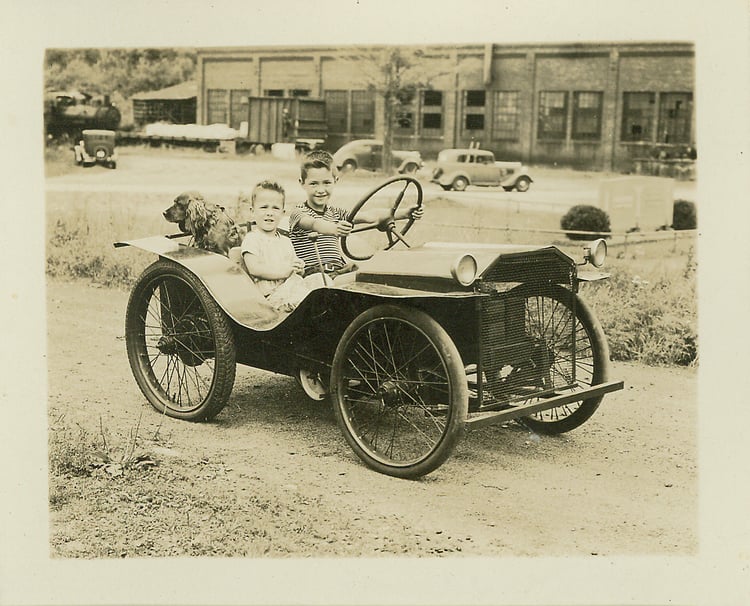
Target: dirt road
{"type": "Point", "coordinates": [277, 478]}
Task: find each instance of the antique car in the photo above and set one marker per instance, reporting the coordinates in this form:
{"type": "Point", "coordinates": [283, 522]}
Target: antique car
{"type": "Point", "coordinates": [424, 342]}
{"type": "Point", "coordinates": [368, 154]}
{"type": "Point", "coordinates": [458, 168]}
{"type": "Point", "coordinates": [96, 147]}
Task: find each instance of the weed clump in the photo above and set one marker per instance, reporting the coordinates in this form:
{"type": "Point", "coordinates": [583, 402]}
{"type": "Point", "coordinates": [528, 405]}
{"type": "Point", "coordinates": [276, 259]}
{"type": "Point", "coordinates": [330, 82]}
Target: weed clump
{"type": "Point", "coordinates": [651, 320]}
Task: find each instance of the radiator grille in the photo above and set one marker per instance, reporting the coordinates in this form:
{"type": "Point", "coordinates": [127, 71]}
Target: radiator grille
{"type": "Point", "coordinates": [527, 347]}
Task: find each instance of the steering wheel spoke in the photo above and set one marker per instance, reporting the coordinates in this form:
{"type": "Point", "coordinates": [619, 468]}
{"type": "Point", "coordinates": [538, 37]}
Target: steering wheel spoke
{"type": "Point", "coordinates": [386, 223]}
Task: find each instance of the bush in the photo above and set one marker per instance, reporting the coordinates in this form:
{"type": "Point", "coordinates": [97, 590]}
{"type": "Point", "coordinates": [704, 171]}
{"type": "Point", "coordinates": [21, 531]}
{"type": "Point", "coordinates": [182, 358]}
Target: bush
{"type": "Point", "coordinates": [584, 217]}
{"type": "Point", "coordinates": [684, 215]}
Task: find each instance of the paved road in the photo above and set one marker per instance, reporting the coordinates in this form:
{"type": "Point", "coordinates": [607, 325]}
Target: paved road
{"type": "Point", "coordinates": [172, 171]}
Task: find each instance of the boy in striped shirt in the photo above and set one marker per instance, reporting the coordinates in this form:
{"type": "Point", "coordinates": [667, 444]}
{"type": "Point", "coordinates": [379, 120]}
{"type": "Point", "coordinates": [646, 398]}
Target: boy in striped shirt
{"type": "Point", "coordinates": [318, 178]}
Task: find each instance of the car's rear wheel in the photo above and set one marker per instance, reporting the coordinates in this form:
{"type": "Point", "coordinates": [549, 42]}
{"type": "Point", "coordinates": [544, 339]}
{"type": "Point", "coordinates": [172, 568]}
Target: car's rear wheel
{"type": "Point", "coordinates": [410, 168]}
{"type": "Point", "coordinates": [460, 184]}
{"type": "Point", "coordinates": [180, 343]}
{"type": "Point", "coordinates": [399, 391]}
{"type": "Point", "coordinates": [523, 184]}
{"type": "Point", "coordinates": [349, 166]}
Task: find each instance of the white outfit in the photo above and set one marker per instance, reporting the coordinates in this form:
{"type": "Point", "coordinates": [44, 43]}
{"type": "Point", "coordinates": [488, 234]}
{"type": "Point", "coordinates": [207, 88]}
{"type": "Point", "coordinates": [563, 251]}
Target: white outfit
{"type": "Point", "coordinates": [286, 293]}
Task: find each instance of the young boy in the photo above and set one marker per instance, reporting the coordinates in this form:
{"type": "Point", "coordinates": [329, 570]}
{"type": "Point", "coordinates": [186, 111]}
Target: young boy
{"type": "Point", "coordinates": [268, 256]}
{"type": "Point", "coordinates": [317, 177]}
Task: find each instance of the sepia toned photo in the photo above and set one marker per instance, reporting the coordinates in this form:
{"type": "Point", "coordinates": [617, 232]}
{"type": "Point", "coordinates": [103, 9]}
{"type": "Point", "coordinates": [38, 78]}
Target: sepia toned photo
{"type": "Point", "coordinates": [380, 309]}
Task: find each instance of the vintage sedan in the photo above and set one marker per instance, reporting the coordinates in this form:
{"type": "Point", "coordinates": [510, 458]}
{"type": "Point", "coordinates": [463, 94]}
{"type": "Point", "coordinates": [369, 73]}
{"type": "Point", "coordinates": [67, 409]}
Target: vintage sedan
{"type": "Point", "coordinates": [458, 168]}
{"type": "Point", "coordinates": [425, 342]}
{"type": "Point", "coordinates": [368, 154]}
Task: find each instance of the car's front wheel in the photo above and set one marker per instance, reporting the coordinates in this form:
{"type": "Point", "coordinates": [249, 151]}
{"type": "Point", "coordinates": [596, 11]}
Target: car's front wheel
{"type": "Point", "coordinates": [399, 391]}
{"type": "Point", "coordinates": [523, 184]}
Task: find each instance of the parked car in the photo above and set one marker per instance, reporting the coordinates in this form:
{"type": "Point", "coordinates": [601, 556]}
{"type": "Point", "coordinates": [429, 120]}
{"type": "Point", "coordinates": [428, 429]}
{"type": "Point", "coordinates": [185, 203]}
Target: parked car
{"type": "Point", "coordinates": [458, 168]}
{"type": "Point", "coordinates": [96, 147]}
{"type": "Point", "coordinates": [368, 154]}
{"type": "Point", "coordinates": [426, 342]}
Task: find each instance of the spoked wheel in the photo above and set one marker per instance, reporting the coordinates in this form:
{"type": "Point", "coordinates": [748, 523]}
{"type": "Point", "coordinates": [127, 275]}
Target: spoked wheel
{"type": "Point", "coordinates": [180, 343]}
{"type": "Point", "coordinates": [399, 391]}
{"type": "Point", "coordinates": [575, 352]}
{"type": "Point", "coordinates": [388, 225]}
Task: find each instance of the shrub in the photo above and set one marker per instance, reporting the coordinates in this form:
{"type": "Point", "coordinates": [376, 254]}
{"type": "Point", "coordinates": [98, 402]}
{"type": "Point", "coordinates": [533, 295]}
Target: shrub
{"type": "Point", "coordinates": [684, 215]}
{"type": "Point", "coordinates": [584, 217]}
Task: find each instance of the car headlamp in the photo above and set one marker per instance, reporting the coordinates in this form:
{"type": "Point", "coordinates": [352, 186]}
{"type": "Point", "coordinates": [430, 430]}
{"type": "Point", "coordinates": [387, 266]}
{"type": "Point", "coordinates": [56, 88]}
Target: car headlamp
{"type": "Point", "coordinates": [464, 270]}
{"type": "Point", "coordinates": [595, 252]}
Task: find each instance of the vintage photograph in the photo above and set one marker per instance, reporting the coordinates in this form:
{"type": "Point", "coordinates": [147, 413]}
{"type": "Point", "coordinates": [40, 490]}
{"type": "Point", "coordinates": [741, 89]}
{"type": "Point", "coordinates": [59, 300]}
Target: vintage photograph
{"type": "Point", "coordinates": [403, 303]}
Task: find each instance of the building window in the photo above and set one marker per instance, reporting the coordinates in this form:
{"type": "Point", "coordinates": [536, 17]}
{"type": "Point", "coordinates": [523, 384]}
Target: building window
{"type": "Point", "coordinates": [299, 92]}
{"type": "Point", "coordinates": [337, 108]}
{"type": "Point", "coordinates": [363, 113]}
{"type": "Point", "coordinates": [405, 121]}
{"type": "Point", "coordinates": [675, 117]}
{"type": "Point", "coordinates": [274, 92]}
{"type": "Point", "coordinates": [587, 115]}
{"type": "Point", "coordinates": [238, 107]}
{"type": "Point", "coordinates": [638, 116]}
{"type": "Point", "coordinates": [216, 106]}
{"type": "Point", "coordinates": [553, 115]}
{"type": "Point", "coordinates": [474, 110]}
{"type": "Point", "coordinates": [432, 112]}
{"type": "Point", "coordinates": [505, 121]}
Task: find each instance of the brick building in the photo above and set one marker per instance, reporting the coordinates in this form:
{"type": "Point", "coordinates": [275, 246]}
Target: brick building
{"type": "Point", "coordinates": [587, 105]}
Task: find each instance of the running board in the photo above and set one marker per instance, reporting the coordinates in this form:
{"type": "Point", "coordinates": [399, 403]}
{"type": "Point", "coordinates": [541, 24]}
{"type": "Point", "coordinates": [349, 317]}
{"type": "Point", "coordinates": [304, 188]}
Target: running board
{"type": "Point", "coordinates": [480, 419]}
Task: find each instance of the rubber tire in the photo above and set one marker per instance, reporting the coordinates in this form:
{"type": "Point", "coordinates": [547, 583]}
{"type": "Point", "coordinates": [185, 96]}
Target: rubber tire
{"type": "Point", "coordinates": [600, 355]}
{"type": "Point", "coordinates": [349, 166]}
{"type": "Point", "coordinates": [523, 184]}
{"type": "Point", "coordinates": [223, 373]}
{"type": "Point", "coordinates": [455, 373]}
{"type": "Point", "coordinates": [459, 184]}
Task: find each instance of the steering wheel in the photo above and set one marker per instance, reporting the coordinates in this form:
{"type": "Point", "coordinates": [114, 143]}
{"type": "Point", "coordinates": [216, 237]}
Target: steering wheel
{"type": "Point", "coordinates": [386, 224]}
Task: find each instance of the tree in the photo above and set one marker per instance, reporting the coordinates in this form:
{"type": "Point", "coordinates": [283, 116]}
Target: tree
{"type": "Point", "coordinates": [396, 74]}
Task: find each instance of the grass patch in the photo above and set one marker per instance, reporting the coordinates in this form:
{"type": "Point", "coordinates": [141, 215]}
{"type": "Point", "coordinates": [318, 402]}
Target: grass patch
{"type": "Point", "coordinates": [648, 311]}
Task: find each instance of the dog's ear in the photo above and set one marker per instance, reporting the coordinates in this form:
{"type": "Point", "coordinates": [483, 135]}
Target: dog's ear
{"type": "Point", "coordinates": [196, 215]}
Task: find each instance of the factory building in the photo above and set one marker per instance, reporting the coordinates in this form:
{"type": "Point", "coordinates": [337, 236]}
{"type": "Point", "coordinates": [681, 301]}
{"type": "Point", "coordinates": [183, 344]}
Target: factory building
{"type": "Point", "coordinates": [598, 106]}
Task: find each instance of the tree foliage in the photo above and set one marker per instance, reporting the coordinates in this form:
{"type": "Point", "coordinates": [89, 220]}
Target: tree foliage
{"type": "Point", "coordinates": [117, 71]}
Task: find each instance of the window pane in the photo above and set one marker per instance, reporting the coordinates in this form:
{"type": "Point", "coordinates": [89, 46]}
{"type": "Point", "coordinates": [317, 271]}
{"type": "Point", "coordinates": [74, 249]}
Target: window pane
{"type": "Point", "coordinates": [432, 112]}
{"type": "Point", "coordinates": [675, 117]}
{"type": "Point", "coordinates": [637, 116]}
{"type": "Point", "coordinates": [587, 115]}
{"type": "Point", "coordinates": [300, 92]}
{"type": "Point", "coordinates": [553, 115]}
{"type": "Point", "coordinates": [274, 92]}
{"type": "Point", "coordinates": [363, 112]}
{"type": "Point", "coordinates": [434, 121]}
{"type": "Point", "coordinates": [216, 112]}
{"type": "Point", "coordinates": [238, 108]}
{"type": "Point", "coordinates": [506, 124]}
{"type": "Point", "coordinates": [336, 110]}
{"type": "Point", "coordinates": [432, 97]}
{"type": "Point", "coordinates": [474, 121]}
{"type": "Point", "coordinates": [475, 98]}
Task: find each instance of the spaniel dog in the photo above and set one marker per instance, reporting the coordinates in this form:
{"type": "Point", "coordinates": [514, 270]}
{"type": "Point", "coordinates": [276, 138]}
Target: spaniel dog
{"type": "Point", "coordinates": [211, 228]}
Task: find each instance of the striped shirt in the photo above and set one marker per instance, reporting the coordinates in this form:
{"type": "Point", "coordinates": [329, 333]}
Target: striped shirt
{"type": "Point", "coordinates": [328, 245]}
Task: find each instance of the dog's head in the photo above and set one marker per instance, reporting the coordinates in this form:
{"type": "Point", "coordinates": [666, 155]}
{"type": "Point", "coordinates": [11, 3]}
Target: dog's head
{"type": "Point", "coordinates": [188, 211]}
